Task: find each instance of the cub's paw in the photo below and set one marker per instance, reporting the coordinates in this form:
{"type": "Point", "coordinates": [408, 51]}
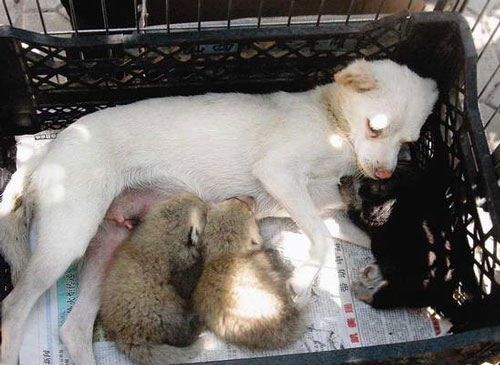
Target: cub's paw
{"type": "Point", "coordinates": [369, 282]}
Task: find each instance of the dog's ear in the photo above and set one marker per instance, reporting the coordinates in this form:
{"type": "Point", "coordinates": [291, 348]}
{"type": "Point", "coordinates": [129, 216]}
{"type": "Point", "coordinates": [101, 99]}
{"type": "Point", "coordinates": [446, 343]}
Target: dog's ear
{"type": "Point", "coordinates": [357, 76]}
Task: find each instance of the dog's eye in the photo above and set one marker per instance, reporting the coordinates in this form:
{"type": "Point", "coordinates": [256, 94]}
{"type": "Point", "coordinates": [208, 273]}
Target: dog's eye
{"type": "Point", "coordinates": [255, 243]}
{"type": "Point", "coordinates": [373, 130]}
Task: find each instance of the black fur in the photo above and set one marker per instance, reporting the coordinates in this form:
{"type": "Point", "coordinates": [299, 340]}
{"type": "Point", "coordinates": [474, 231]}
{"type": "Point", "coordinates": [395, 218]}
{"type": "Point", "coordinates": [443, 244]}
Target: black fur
{"type": "Point", "coordinates": [400, 216]}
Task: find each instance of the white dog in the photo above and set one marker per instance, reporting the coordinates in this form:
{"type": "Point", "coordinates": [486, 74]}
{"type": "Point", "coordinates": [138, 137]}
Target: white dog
{"type": "Point", "coordinates": [287, 150]}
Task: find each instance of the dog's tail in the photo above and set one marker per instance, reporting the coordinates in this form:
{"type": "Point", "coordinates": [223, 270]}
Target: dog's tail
{"type": "Point", "coordinates": [154, 354]}
{"type": "Point", "coordinates": [15, 215]}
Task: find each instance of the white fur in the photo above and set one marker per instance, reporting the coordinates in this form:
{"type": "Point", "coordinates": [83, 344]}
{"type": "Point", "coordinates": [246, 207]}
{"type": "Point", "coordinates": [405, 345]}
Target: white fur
{"type": "Point", "coordinates": [77, 330]}
{"type": "Point", "coordinates": [277, 148]}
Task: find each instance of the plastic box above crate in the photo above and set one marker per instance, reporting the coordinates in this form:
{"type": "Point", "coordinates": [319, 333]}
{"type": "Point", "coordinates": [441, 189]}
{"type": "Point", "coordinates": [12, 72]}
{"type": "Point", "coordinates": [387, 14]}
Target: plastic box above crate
{"type": "Point", "coordinates": [48, 83]}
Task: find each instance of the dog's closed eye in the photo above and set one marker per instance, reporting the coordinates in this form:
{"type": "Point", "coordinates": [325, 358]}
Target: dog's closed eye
{"type": "Point", "coordinates": [376, 125]}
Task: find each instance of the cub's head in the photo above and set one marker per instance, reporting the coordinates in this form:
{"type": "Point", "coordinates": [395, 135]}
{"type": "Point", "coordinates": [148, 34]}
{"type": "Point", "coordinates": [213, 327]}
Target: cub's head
{"type": "Point", "coordinates": [382, 105]}
{"type": "Point", "coordinates": [231, 228]}
{"type": "Point", "coordinates": [377, 199]}
{"type": "Point", "coordinates": [177, 223]}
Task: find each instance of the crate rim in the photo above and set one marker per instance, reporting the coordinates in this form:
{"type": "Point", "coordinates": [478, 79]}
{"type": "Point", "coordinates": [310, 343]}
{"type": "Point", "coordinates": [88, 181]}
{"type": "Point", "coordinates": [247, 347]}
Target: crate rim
{"type": "Point", "coordinates": [388, 353]}
{"type": "Point", "coordinates": [155, 37]}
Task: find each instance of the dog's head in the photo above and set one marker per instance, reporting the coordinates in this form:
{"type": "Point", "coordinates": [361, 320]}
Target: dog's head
{"type": "Point", "coordinates": [384, 105]}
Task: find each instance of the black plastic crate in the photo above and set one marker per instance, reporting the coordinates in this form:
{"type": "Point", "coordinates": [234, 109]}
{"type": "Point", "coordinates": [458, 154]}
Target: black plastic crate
{"type": "Point", "coordinates": [48, 82]}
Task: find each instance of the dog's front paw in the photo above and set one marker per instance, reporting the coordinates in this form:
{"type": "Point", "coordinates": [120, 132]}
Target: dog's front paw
{"type": "Point", "coordinates": [302, 282]}
{"type": "Point", "coordinates": [370, 281]}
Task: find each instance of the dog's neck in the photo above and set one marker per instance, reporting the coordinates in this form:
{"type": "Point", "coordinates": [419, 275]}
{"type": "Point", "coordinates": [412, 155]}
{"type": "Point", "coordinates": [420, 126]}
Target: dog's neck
{"type": "Point", "coordinates": [331, 99]}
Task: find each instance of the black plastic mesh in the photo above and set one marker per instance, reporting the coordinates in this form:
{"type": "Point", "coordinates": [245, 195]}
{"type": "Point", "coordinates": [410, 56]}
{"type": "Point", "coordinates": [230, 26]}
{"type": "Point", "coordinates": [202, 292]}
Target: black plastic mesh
{"type": "Point", "coordinates": [119, 74]}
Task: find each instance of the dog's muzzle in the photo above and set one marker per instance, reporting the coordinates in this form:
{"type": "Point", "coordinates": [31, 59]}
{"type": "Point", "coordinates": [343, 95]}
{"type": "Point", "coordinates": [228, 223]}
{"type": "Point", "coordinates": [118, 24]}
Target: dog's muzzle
{"type": "Point", "coordinates": [383, 174]}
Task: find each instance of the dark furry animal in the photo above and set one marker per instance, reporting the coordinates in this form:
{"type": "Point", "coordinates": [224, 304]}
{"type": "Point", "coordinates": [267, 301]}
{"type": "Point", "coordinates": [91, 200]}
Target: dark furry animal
{"type": "Point", "coordinates": [422, 256]}
{"type": "Point", "coordinates": [400, 216]}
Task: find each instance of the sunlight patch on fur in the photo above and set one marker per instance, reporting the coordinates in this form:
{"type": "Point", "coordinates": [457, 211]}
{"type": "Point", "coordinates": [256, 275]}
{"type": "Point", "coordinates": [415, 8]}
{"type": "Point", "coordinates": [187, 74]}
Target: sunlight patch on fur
{"type": "Point", "coordinates": [379, 121]}
{"type": "Point", "coordinates": [56, 193]}
{"type": "Point", "coordinates": [253, 302]}
{"type": "Point", "coordinates": [210, 342]}
{"type": "Point", "coordinates": [55, 174]}
{"type": "Point", "coordinates": [24, 153]}
{"type": "Point", "coordinates": [336, 140]}
{"type": "Point", "coordinates": [84, 132]}
{"type": "Point", "coordinates": [333, 226]}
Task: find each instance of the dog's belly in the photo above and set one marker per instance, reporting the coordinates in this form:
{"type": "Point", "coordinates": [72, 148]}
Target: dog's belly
{"type": "Point", "coordinates": [324, 193]}
{"type": "Point", "coordinates": [217, 189]}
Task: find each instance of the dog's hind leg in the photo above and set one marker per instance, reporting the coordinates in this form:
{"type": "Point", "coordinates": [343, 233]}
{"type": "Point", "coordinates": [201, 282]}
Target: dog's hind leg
{"type": "Point", "coordinates": [67, 217]}
{"type": "Point", "coordinates": [14, 223]}
{"type": "Point", "coordinates": [76, 332]}
{"type": "Point", "coordinates": [15, 214]}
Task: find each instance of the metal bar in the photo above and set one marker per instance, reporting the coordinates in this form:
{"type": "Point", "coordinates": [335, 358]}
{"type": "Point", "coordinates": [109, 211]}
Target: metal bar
{"type": "Point", "coordinates": [349, 12]}
{"type": "Point", "coordinates": [40, 13]}
{"type": "Point", "coordinates": [167, 14]}
{"type": "Point", "coordinates": [259, 16]}
{"type": "Point", "coordinates": [440, 5]}
{"type": "Point", "coordinates": [379, 9]}
{"type": "Point", "coordinates": [7, 12]}
{"type": "Point", "coordinates": [105, 15]}
{"type": "Point", "coordinates": [199, 14]}
{"type": "Point", "coordinates": [214, 26]}
{"type": "Point", "coordinates": [320, 12]}
{"type": "Point", "coordinates": [136, 14]}
{"type": "Point", "coordinates": [462, 8]}
{"type": "Point", "coordinates": [488, 42]}
{"type": "Point", "coordinates": [481, 13]}
{"type": "Point", "coordinates": [290, 12]}
{"type": "Point", "coordinates": [72, 14]}
{"type": "Point", "coordinates": [491, 117]}
{"type": "Point", "coordinates": [104, 9]}
{"type": "Point", "coordinates": [456, 5]}
{"type": "Point", "coordinates": [488, 82]}
{"type": "Point", "coordinates": [41, 16]}
{"type": "Point", "coordinates": [229, 5]}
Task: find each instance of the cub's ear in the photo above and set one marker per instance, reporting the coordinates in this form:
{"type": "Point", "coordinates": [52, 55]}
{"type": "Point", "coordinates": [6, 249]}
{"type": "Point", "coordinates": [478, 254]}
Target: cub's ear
{"type": "Point", "coordinates": [193, 236]}
{"type": "Point", "coordinates": [197, 221]}
{"type": "Point", "coordinates": [356, 76]}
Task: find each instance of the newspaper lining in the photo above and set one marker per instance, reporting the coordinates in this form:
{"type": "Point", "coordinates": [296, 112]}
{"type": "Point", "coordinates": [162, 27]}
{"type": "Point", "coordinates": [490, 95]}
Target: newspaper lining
{"type": "Point", "coordinates": [335, 319]}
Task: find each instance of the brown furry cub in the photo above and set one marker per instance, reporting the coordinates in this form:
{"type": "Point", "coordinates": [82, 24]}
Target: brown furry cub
{"type": "Point", "coordinates": [146, 294]}
{"type": "Point", "coordinates": [242, 295]}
